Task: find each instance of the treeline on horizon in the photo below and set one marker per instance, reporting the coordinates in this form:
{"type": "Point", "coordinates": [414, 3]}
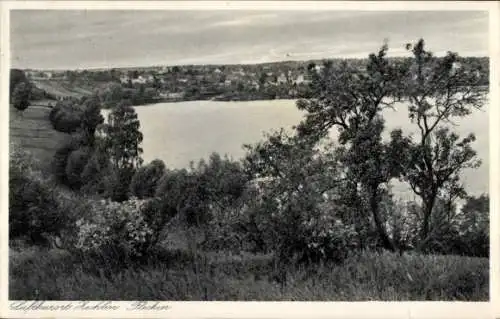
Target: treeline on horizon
{"type": "Point", "coordinates": [265, 81]}
{"type": "Point", "coordinates": [300, 196]}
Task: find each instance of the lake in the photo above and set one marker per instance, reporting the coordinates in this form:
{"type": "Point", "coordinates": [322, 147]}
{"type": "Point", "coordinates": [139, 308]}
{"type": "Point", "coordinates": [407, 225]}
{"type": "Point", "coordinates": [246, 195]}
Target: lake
{"type": "Point", "coordinates": [182, 132]}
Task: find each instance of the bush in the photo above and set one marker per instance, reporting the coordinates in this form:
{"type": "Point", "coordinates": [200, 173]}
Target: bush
{"type": "Point", "coordinates": [16, 77]}
{"type": "Point", "coordinates": [96, 175]}
{"type": "Point", "coordinates": [66, 116]}
{"type": "Point", "coordinates": [60, 160]}
{"type": "Point", "coordinates": [112, 224]}
{"type": "Point", "coordinates": [76, 162]}
{"type": "Point", "coordinates": [228, 230]}
{"type": "Point", "coordinates": [223, 179]}
{"type": "Point", "coordinates": [146, 179]}
{"type": "Point", "coordinates": [328, 239]}
{"type": "Point", "coordinates": [21, 96]}
{"type": "Point", "coordinates": [34, 211]}
{"type": "Point", "coordinates": [293, 189]}
{"type": "Point", "coordinates": [179, 190]}
{"type": "Point", "coordinates": [157, 213]}
{"type": "Point", "coordinates": [131, 228]}
{"type": "Point", "coordinates": [118, 188]}
{"type": "Point", "coordinates": [211, 186]}
{"type": "Point", "coordinates": [475, 228]}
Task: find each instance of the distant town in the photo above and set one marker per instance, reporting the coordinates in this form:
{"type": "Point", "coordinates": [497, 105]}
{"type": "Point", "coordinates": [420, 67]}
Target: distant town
{"type": "Point", "coordinates": [280, 80]}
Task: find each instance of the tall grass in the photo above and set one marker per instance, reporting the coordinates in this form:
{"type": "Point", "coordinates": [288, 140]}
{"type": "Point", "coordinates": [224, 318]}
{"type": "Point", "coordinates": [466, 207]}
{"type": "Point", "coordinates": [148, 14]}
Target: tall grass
{"type": "Point", "coordinates": [175, 275]}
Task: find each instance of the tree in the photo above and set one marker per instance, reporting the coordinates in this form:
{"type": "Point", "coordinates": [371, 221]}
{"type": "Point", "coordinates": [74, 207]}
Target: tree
{"type": "Point", "coordinates": [175, 69]}
{"type": "Point", "coordinates": [66, 116]}
{"type": "Point", "coordinates": [222, 180]}
{"type": "Point", "coordinates": [21, 96]}
{"type": "Point", "coordinates": [16, 77]}
{"type": "Point", "coordinates": [61, 156]}
{"type": "Point", "coordinates": [352, 101]}
{"type": "Point", "coordinates": [122, 141]}
{"type": "Point", "coordinates": [97, 174]}
{"type": "Point", "coordinates": [91, 118]}
{"type": "Point", "coordinates": [113, 95]}
{"type": "Point", "coordinates": [181, 194]}
{"type": "Point", "coordinates": [146, 179]}
{"type": "Point", "coordinates": [437, 92]}
{"type": "Point", "coordinates": [475, 225]}
{"type": "Point", "coordinates": [75, 164]}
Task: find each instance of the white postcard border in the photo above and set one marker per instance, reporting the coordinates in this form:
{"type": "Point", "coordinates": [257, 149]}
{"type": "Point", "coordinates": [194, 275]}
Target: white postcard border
{"type": "Point", "coordinates": [262, 309]}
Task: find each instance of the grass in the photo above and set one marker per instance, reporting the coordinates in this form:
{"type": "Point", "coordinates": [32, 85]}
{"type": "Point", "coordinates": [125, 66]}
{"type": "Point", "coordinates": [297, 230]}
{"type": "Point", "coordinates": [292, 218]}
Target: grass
{"type": "Point", "coordinates": [175, 275]}
{"type": "Point", "coordinates": [33, 132]}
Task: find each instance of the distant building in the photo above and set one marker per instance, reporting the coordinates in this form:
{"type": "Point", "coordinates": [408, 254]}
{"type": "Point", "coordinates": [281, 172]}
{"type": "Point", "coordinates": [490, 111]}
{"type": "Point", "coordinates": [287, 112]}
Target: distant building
{"type": "Point", "coordinates": [172, 95]}
{"type": "Point", "coordinates": [255, 85]}
{"type": "Point", "coordinates": [124, 79]}
{"type": "Point", "coordinates": [281, 79]}
{"type": "Point", "coordinates": [239, 72]}
{"type": "Point", "coordinates": [455, 67]}
{"type": "Point", "coordinates": [217, 71]}
{"type": "Point", "coordinates": [139, 80]}
{"type": "Point", "coordinates": [300, 79]}
{"type": "Point", "coordinates": [318, 68]}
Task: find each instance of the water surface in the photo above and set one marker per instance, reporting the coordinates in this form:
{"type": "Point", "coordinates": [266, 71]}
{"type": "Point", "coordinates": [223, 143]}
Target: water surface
{"type": "Point", "coordinates": [181, 132]}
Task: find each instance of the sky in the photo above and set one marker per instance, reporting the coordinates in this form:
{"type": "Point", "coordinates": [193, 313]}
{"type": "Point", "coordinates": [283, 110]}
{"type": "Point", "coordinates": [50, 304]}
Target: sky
{"type": "Point", "coordinates": [69, 39]}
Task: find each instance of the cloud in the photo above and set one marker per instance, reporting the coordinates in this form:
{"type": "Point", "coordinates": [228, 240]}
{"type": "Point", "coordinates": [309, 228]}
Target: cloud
{"type": "Point", "coordinates": [66, 39]}
{"type": "Point", "coordinates": [248, 20]}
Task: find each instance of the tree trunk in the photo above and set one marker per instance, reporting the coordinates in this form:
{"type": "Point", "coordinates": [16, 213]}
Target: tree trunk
{"type": "Point", "coordinates": [428, 205]}
{"type": "Point", "coordinates": [425, 233]}
{"type": "Point", "coordinates": [374, 207]}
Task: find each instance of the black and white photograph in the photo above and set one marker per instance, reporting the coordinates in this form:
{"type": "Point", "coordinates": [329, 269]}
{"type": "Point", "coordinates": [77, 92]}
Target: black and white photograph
{"type": "Point", "coordinates": [249, 155]}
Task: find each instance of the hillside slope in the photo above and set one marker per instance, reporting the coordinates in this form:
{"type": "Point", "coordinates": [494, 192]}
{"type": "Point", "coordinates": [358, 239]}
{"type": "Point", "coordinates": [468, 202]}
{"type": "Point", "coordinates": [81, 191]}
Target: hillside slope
{"type": "Point", "coordinates": [33, 132]}
{"type": "Point", "coordinates": [60, 88]}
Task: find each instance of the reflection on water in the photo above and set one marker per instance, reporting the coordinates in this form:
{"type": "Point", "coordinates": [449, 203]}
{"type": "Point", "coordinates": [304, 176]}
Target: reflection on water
{"type": "Point", "coordinates": [181, 132]}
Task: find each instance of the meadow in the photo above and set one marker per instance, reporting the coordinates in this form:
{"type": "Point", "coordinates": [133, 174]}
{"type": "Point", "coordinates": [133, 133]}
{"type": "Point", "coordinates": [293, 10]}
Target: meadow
{"type": "Point", "coordinates": [33, 132]}
{"type": "Point", "coordinates": [174, 274]}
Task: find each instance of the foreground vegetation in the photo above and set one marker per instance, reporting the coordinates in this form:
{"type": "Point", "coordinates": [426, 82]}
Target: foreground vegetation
{"type": "Point", "coordinates": [175, 275]}
{"type": "Point", "coordinates": [300, 217]}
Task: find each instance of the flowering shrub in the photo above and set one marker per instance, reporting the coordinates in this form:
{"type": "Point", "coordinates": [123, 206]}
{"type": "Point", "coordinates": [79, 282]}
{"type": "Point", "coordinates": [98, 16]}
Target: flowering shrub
{"type": "Point", "coordinates": [115, 225]}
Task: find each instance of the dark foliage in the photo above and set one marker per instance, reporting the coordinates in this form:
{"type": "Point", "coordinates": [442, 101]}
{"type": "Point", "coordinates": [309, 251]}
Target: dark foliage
{"type": "Point", "coordinates": [34, 210]}
{"type": "Point", "coordinates": [146, 179]}
{"type": "Point", "coordinates": [21, 96]}
{"type": "Point", "coordinates": [66, 116]}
